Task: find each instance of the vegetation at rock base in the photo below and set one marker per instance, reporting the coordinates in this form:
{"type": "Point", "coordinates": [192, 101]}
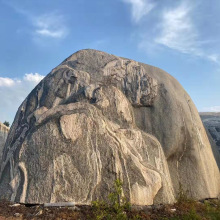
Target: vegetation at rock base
{"type": "Point", "coordinates": [190, 210]}
{"type": "Point", "coordinates": [185, 208]}
{"type": "Point", "coordinates": [118, 208]}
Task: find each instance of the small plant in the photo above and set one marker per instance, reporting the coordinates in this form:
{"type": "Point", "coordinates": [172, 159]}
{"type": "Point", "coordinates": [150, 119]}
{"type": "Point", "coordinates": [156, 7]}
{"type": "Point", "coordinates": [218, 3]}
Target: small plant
{"type": "Point", "coordinates": [192, 215]}
{"type": "Point", "coordinates": [183, 195]}
{"type": "Point", "coordinates": [6, 123]}
{"type": "Point", "coordinates": [99, 209]}
{"type": "Point", "coordinates": [116, 207]}
{"type": "Point", "coordinates": [212, 210]}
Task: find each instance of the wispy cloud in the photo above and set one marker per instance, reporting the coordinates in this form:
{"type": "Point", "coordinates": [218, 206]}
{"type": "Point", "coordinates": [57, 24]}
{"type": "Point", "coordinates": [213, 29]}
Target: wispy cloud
{"type": "Point", "coordinates": [47, 25]}
{"type": "Point", "coordinates": [177, 30]}
{"type": "Point", "coordinates": [50, 25]}
{"type": "Point", "coordinates": [14, 91]}
{"type": "Point", "coordinates": [214, 57]}
{"type": "Point", "coordinates": [172, 26]}
{"type": "Point", "coordinates": [140, 8]}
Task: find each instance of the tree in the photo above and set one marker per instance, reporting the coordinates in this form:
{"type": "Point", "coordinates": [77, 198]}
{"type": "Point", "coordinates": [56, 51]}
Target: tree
{"type": "Point", "coordinates": [6, 123]}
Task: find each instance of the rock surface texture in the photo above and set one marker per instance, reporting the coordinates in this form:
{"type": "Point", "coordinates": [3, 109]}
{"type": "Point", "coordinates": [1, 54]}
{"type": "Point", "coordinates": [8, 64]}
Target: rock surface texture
{"type": "Point", "coordinates": [211, 121]}
{"type": "Point", "coordinates": [97, 117]}
{"type": "Point", "coordinates": [3, 136]}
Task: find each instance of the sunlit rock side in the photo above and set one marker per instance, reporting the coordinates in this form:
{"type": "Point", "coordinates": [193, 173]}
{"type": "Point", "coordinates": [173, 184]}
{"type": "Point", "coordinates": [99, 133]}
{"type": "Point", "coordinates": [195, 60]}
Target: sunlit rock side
{"type": "Point", "coordinates": [3, 136]}
{"type": "Point", "coordinates": [97, 117]}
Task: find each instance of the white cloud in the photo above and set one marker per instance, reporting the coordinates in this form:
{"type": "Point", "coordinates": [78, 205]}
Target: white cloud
{"type": "Point", "coordinates": [140, 8]}
{"type": "Point", "coordinates": [177, 30]}
{"type": "Point", "coordinates": [49, 33]}
{"type": "Point", "coordinates": [50, 25]}
{"type": "Point", "coordinates": [6, 82]}
{"type": "Point", "coordinates": [13, 92]}
{"type": "Point", "coordinates": [33, 77]}
{"type": "Point", "coordinates": [214, 57]}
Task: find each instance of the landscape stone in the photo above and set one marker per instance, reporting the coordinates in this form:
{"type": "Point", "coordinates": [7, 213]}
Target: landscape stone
{"type": "Point", "coordinates": [97, 118]}
{"type": "Point", "coordinates": [3, 136]}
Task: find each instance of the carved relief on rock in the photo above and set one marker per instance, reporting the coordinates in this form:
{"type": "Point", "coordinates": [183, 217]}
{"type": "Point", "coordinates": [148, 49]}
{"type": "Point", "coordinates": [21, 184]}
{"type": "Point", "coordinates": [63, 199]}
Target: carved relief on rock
{"type": "Point", "coordinates": [140, 89]}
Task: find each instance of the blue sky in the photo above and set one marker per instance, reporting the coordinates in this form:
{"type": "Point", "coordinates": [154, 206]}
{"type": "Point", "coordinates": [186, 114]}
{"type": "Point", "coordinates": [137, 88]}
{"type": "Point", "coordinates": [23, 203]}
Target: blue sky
{"type": "Point", "coordinates": [182, 37]}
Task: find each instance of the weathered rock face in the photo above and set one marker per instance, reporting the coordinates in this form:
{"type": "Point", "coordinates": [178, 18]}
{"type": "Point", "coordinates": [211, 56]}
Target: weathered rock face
{"type": "Point", "coordinates": [3, 135]}
{"type": "Point", "coordinates": [98, 117]}
{"type": "Point", "coordinates": [211, 121]}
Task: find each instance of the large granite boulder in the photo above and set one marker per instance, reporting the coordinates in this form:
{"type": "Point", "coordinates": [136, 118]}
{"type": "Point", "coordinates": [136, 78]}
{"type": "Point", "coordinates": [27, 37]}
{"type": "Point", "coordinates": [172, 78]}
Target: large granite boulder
{"type": "Point", "coordinates": [211, 121]}
{"type": "Point", "coordinates": [3, 136]}
{"type": "Point", "coordinates": [97, 117]}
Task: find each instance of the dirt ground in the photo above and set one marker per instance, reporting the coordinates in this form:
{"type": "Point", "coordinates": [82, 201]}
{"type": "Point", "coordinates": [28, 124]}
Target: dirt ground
{"type": "Point", "coordinates": [209, 209]}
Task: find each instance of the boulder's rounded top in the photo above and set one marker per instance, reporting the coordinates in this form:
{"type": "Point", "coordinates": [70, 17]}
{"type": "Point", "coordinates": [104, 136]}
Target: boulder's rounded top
{"type": "Point", "coordinates": [88, 53]}
{"type": "Point", "coordinates": [91, 60]}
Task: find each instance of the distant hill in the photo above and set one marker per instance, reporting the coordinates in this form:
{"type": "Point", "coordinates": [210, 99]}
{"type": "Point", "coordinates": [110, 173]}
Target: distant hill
{"type": "Point", "coordinates": [210, 113]}
{"type": "Point", "coordinates": [211, 121]}
{"type": "Point", "coordinates": [205, 115]}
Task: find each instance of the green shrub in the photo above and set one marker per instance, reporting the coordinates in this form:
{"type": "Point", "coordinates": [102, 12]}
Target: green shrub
{"type": "Point", "coordinates": [212, 210]}
{"type": "Point", "coordinates": [192, 215]}
{"type": "Point", "coordinates": [6, 123]}
{"type": "Point", "coordinates": [115, 208]}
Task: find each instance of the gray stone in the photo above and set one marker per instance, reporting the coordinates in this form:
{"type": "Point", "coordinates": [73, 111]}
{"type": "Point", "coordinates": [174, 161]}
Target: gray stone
{"type": "Point", "coordinates": [97, 117]}
{"type": "Point", "coordinates": [3, 136]}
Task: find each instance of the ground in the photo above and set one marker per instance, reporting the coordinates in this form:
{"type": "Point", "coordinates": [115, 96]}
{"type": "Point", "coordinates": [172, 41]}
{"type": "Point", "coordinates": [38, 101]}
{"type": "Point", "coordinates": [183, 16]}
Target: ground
{"type": "Point", "coordinates": [186, 210]}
